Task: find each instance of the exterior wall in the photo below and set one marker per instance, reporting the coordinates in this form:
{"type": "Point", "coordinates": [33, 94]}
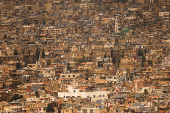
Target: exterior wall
{"type": "Point", "coordinates": [96, 95]}
{"type": "Point", "coordinates": [33, 66]}
{"type": "Point", "coordinates": [7, 108]}
{"type": "Point", "coordinates": [98, 80]}
{"type": "Point", "coordinates": [91, 110]}
{"type": "Point", "coordinates": [69, 75]}
{"type": "Point", "coordinates": [111, 79]}
{"type": "Point", "coordinates": [149, 89]}
{"type": "Point", "coordinates": [49, 72]}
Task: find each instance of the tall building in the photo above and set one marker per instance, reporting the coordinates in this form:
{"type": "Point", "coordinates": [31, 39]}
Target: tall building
{"type": "Point", "coordinates": [151, 1]}
{"type": "Point", "coordinates": [116, 25]}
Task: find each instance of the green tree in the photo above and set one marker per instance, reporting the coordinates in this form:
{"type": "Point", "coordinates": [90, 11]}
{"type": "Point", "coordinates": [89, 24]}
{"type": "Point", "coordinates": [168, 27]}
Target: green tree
{"type": "Point", "coordinates": [140, 52]}
{"type": "Point", "coordinates": [27, 62]}
{"type": "Point", "coordinates": [113, 59]}
{"type": "Point", "coordinates": [50, 108]}
{"type": "Point", "coordinates": [150, 62]}
{"type": "Point", "coordinates": [26, 21]}
{"type": "Point", "coordinates": [3, 85]}
{"type": "Point", "coordinates": [105, 55]}
{"type": "Point", "coordinates": [43, 54]}
{"type": "Point", "coordinates": [44, 22]}
{"type": "Point", "coordinates": [15, 52]}
{"type": "Point", "coordinates": [29, 52]}
{"type": "Point", "coordinates": [15, 83]}
{"type": "Point", "coordinates": [15, 97]}
{"type": "Point", "coordinates": [68, 66]}
{"type": "Point", "coordinates": [37, 53]}
{"type": "Point", "coordinates": [146, 92]}
{"type": "Point", "coordinates": [111, 53]}
{"type": "Point", "coordinates": [37, 94]}
{"type": "Point", "coordinates": [23, 51]}
{"type": "Point", "coordinates": [48, 62]}
{"type": "Point", "coordinates": [119, 61]}
{"type": "Point", "coordinates": [18, 65]}
{"type": "Point", "coordinates": [33, 58]}
{"type": "Point", "coordinates": [143, 60]}
{"type": "Point", "coordinates": [79, 60]}
{"type": "Point", "coordinates": [2, 99]}
{"type": "Point", "coordinates": [43, 88]}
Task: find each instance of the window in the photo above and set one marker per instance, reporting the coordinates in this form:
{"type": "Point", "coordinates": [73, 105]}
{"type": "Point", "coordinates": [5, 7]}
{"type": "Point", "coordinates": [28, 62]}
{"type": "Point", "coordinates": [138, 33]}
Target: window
{"type": "Point", "coordinates": [99, 95]}
{"type": "Point", "coordinates": [73, 75]}
{"type": "Point", "coordinates": [103, 95]}
{"type": "Point", "coordinates": [63, 75]}
{"type": "Point", "coordinates": [93, 95]}
{"type": "Point", "coordinates": [68, 75]}
{"type": "Point", "coordinates": [74, 90]}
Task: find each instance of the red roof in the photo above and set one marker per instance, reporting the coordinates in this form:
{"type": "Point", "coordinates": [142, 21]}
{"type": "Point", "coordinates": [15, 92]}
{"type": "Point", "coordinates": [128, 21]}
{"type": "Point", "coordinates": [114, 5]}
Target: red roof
{"type": "Point", "coordinates": [51, 65]}
{"type": "Point", "coordinates": [110, 106]}
{"type": "Point", "coordinates": [44, 82]}
{"type": "Point", "coordinates": [61, 65]}
{"type": "Point", "coordinates": [83, 87]}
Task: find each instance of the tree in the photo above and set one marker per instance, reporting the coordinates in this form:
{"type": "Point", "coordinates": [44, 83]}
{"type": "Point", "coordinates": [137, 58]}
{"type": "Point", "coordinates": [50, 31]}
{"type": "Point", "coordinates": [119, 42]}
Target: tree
{"type": "Point", "coordinates": [145, 50]}
{"type": "Point", "coordinates": [113, 60]}
{"type": "Point", "coordinates": [105, 55]}
{"type": "Point", "coordinates": [119, 62]}
{"type": "Point", "coordinates": [15, 83]}
{"type": "Point", "coordinates": [43, 88]}
{"type": "Point", "coordinates": [3, 85]}
{"type": "Point", "coordinates": [150, 62]}
{"type": "Point", "coordinates": [112, 53]}
{"type": "Point", "coordinates": [48, 62]}
{"type": "Point", "coordinates": [2, 99]}
{"type": "Point", "coordinates": [37, 53]}
{"type": "Point", "coordinates": [79, 60]}
{"type": "Point", "coordinates": [50, 108]}
{"type": "Point", "coordinates": [27, 62]}
{"type": "Point", "coordinates": [146, 92]}
{"type": "Point", "coordinates": [68, 66]}
{"type": "Point", "coordinates": [83, 57]}
{"type": "Point", "coordinates": [143, 60]}
{"type": "Point", "coordinates": [140, 52]}
{"type": "Point", "coordinates": [15, 52]}
{"type": "Point", "coordinates": [116, 40]}
{"type": "Point", "coordinates": [23, 51]}
{"type": "Point", "coordinates": [26, 21]}
{"type": "Point", "coordinates": [44, 22]}
{"type": "Point", "coordinates": [36, 93]}
{"type": "Point", "coordinates": [33, 58]}
{"type": "Point", "coordinates": [29, 52]}
{"type": "Point", "coordinates": [18, 65]}
{"type": "Point", "coordinates": [43, 54]}
{"type": "Point", "coordinates": [15, 97]}
{"type": "Point", "coordinates": [88, 40]}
